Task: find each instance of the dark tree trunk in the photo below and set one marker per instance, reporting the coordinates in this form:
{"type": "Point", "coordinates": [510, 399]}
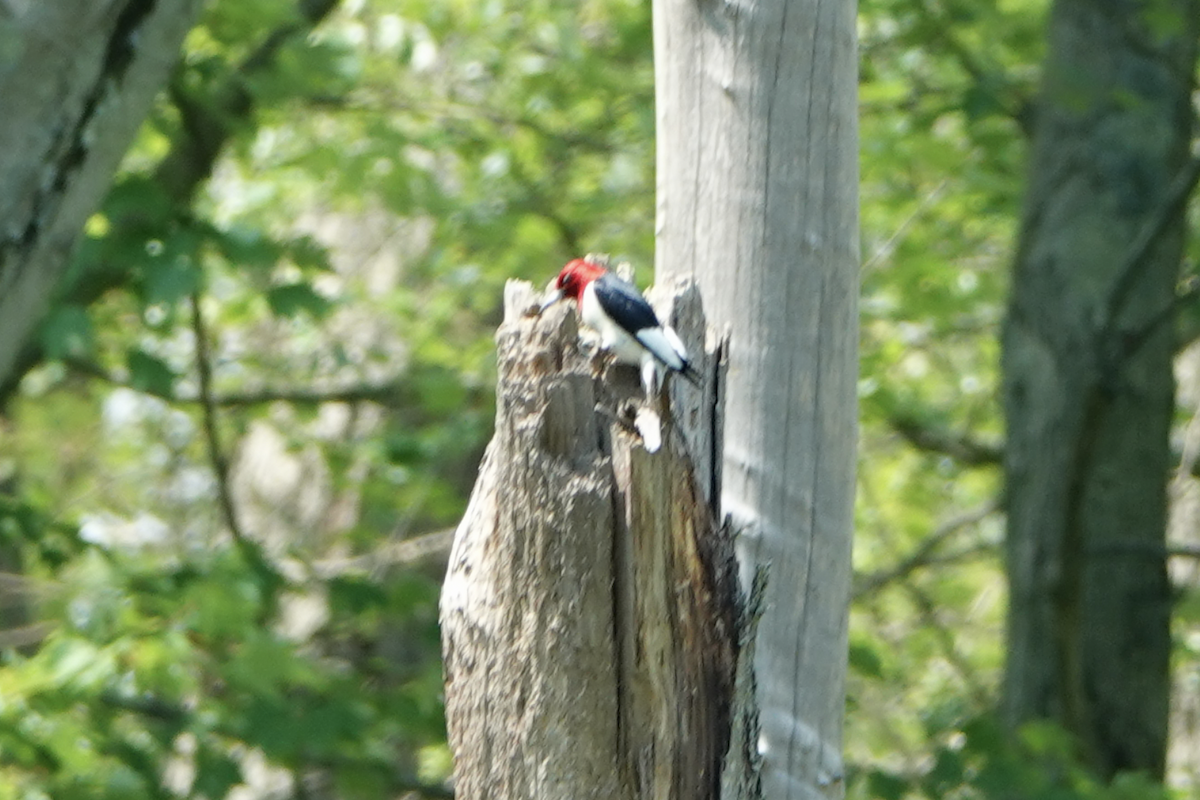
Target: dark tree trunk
{"type": "Point", "coordinates": [77, 77]}
{"type": "Point", "coordinates": [1088, 389]}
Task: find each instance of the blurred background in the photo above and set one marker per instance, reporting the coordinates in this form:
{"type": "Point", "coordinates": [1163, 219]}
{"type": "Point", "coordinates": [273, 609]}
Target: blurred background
{"type": "Point", "coordinates": [233, 456]}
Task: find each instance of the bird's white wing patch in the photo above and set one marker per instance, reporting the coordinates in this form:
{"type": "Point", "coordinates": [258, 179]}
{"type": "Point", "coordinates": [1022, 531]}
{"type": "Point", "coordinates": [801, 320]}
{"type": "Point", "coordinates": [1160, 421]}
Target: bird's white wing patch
{"type": "Point", "coordinates": [665, 345]}
{"type": "Point", "coordinates": [649, 425]}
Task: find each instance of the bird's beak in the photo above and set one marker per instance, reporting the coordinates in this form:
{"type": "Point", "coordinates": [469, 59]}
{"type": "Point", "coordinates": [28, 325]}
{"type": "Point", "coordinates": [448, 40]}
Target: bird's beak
{"type": "Point", "coordinates": [552, 297]}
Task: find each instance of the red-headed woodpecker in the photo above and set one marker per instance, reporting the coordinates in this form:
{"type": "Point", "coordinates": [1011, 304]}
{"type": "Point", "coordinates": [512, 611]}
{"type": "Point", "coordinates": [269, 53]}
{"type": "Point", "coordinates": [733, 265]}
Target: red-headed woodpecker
{"type": "Point", "coordinates": [627, 325]}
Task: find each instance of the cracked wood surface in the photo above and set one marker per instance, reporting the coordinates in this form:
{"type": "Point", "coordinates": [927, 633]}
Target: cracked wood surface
{"type": "Point", "coordinates": [590, 618]}
{"type": "Point", "coordinates": [757, 197]}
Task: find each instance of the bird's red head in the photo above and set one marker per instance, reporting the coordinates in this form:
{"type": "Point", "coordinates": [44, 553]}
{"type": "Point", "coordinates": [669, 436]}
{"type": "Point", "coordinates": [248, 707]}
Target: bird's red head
{"type": "Point", "coordinates": [576, 275]}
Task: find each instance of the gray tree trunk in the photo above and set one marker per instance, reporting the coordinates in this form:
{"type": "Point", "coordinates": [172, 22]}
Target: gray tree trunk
{"type": "Point", "coordinates": [590, 614]}
{"type": "Point", "coordinates": [1088, 388]}
{"type": "Point", "coordinates": [77, 78]}
{"type": "Point", "coordinates": [757, 194]}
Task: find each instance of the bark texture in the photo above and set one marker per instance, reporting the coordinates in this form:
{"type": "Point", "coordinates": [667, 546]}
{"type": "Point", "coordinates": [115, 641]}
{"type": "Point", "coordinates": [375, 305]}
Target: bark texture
{"type": "Point", "coordinates": [757, 199]}
{"type": "Point", "coordinates": [1088, 388]}
{"type": "Point", "coordinates": [589, 614]}
{"type": "Point", "coordinates": [78, 77]}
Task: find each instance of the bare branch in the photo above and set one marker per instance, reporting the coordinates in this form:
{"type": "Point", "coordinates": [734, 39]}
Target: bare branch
{"type": "Point", "coordinates": [1172, 204]}
{"type": "Point", "coordinates": [1187, 291]}
{"type": "Point", "coordinates": [948, 641]}
{"type": "Point", "coordinates": [209, 122]}
{"type": "Point", "coordinates": [429, 546]}
{"type": "Point", "coordinates": [925, 553]}
{"type": "Point", "coordinates": [216, 455]}
{"type": "Point", "coordinates": [970, 451]}
{"type": "Point", "coordinates": [384, 393]}
{"type": "Point", "coordinates": [961, 447]}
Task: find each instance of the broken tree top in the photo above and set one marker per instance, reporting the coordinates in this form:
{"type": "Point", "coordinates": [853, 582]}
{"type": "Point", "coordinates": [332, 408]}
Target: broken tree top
{"type": "Point", "coordinates": [590, 611]}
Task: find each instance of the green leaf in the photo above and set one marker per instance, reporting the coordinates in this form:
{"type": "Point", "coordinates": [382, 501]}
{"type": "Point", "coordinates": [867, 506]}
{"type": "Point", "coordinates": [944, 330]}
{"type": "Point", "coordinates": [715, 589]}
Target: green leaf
{"type": "Point", "coordinates": [247, 247]}
{"type": "Point", "coordinates": [309, 254]}
{"type": "Point", "coordinates": [150, 374]}
{"type": "Point", "coordinates": [886, 786]}
{"type": "Point", "coordinates": [947, 774]}
{"type": "Point", "coordinates": [865, 660]}
{"type": "Point", "coordinates": [170, 281]}
{"type": "Point", "coordinates": [357, 780]}
{"type": "Point", "coordinates": [355, 595]}
{"type": "Point", "coordinates": [223, 609]}
{"type": "Point", "coordinates": [67, 333]}
{"type": "Point", "coordinates": [140, 199]}
{"type": "Point", "coordinates": [78, 664]}
{"type": "Point", "coordinates": [263, 666]}
{"type": "Point", "coordinates": [982, 100]}
{"type": "Point", "coordinates": [230, 23]}
{"type": "Point", "coordinates": [1187, 609]}
{"type": "Point", "coordinates": [292, 298]}
{"type": "Point", "coordinates": [216, 773]}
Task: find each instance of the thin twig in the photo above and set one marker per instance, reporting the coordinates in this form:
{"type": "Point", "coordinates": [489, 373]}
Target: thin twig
{"type": "Point", "coordinates": [429, 546]}
{"type": "Point", "coordinates": [383, 393]}
{"type": "Point", "coordinates": [146, 705]}
{"type": "Point", "coordinates": [1174, 202]}
{"type": "Point", "coordinates": [886, 248]}
{"type": "Point", "coordinates": [924, 554]}
{"type": "Point", "coordinates": [363, 393]}
{"type": "Point", "coordinates": [216, 455]}
{"type": "Point", "coordinates": [948, 641]}
{"type": "Point", "coordinates": [1188, 290]}
{"type": "Point", "coordinates": [962, 448]}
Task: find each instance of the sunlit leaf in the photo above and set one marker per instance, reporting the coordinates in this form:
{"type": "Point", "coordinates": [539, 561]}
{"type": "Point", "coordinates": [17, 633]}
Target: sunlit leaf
{"type": "Point", "coordinates": [150, 373]}
{"type": "Point", "coordinates": [67, 333]}
{"type": "Point", "coordinates": [293, 299]}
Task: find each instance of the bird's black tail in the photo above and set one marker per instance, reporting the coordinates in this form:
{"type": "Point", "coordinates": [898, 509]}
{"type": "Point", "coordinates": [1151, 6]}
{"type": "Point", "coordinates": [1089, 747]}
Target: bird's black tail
{"type": "Point", "coordinates": [691, 373]}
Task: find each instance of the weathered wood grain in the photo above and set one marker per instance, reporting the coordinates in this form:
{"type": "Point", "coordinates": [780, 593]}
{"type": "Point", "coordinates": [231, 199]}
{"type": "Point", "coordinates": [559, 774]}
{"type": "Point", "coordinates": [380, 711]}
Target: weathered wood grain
{"type": "Point", "coordinates": [590, 617]}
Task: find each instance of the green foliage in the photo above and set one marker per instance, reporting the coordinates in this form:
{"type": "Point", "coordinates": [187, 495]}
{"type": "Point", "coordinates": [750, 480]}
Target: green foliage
{"type": "Point", "coordinates": [67, 333]}
{"type": "Point", "coordinates": [150, 373]}
{"type": "Point", "coordinates": [978, 761]}
{"type": "Point", "coordinates": [152, 665]}
{"type": "Point", "coordinates": [377, 179]}
{"type": "Point", "coordinates": [290, 299]}
{"type": "Point", "coordinates": [943, 89]}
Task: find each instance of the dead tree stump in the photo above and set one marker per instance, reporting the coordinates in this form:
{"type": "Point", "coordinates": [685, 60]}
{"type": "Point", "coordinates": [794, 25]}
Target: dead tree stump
{"type": "Point", "coordinates": [590, 612]}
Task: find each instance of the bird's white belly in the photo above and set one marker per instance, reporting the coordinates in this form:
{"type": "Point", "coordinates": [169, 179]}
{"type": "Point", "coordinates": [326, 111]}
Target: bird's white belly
{"type": "Point", "coordinates": [612, 337]}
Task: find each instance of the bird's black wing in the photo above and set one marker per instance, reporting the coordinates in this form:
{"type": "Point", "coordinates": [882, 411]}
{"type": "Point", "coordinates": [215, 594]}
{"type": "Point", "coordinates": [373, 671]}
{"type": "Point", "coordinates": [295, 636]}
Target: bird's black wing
{"type": "Point", "coordinates": [624, 304]}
